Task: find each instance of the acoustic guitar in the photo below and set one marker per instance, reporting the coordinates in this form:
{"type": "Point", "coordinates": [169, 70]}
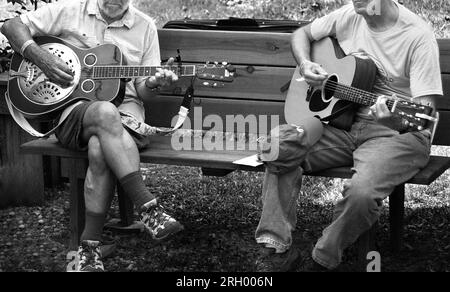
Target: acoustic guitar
{"type": "Point", "coordinates": [348, 86]}
{"type": "Point", "coordinates": [99, 73]}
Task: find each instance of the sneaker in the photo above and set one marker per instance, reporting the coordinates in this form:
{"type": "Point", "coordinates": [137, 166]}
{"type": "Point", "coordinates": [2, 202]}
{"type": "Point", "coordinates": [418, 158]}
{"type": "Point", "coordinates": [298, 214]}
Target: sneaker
{"type": "Point", "coordinates": [269, 261]}
{"type": "Point", "coordinates": [158, 224]}
{"type": "Point", "coordinates": [89, 257]}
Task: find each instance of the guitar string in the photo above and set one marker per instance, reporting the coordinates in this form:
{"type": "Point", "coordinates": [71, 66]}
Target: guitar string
{"type": "Point", "coordinates": [367, 97]}
{"type": "Point", "coordinates": [346, 90]}
{"type": "Point", "coordinates": [353, 91]}
{"type": "Point", "coordinates": [131, 71]}
{"type": "Point", "coordinates": [358, 99]}
{"type": "Point", "coordinates": [418, 122]}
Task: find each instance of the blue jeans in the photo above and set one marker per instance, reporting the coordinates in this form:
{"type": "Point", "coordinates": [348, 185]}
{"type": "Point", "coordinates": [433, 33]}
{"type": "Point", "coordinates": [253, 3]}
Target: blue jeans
{"type": "Point", "coordinates": [381, 158]}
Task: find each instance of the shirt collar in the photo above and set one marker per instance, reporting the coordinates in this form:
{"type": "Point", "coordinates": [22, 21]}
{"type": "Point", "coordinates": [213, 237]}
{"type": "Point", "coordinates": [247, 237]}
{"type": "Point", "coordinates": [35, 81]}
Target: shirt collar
{"type": "Point", "coordinates": [127, 20]}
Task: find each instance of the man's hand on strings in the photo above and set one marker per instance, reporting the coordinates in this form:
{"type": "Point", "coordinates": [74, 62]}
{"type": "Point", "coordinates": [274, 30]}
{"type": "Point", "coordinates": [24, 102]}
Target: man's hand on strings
{"type": "Point", "coordinates": [54, 68]}
{"type": "Point", "coordinates": [313, 73]}
{"type": "Point", "coordinates": [381, 113]}
{"type": "Point", "coordinates": [163, 77]}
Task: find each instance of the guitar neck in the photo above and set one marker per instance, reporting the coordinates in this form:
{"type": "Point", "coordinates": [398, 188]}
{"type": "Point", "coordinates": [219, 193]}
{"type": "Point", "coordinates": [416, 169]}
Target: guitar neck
{"type": "Point", "coordinates": [355, 95]}
{"type": "Point", "coordinates": [114, 72]}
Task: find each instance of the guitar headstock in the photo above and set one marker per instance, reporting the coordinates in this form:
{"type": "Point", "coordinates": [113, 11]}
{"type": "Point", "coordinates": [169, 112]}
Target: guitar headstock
{"type": "Point", "coordinates": [217, 71]}
{"type": "Point", "coordinates": [417, 116]}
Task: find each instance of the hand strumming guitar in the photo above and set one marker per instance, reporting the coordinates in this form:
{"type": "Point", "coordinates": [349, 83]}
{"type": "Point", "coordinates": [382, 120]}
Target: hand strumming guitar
{"type": "Point", "coordinates": [54, 68]}
{"type": "Point", "coordinates": [313, 73]}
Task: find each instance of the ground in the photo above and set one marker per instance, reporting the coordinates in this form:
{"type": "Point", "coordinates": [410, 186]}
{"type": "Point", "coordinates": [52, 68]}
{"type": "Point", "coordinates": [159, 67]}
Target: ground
{"type": "Point", "coordinates": [220, 216]}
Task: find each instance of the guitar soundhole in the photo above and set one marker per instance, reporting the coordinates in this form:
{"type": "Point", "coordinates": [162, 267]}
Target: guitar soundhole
{"type": "Point", "coordinates": [87, 85]}
{"type": "Point", "coordinates": [90, 59]}
{"type": "Point", "coordinates": [316, 104]}
{"type": "Point", "coordinates": [330, 88]}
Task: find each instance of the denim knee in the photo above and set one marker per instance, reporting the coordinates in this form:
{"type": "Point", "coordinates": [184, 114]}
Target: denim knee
{"type": "Point", "coordinates": [361, 197]}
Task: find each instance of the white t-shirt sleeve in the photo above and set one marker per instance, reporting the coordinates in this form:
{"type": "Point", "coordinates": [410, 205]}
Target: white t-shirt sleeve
{"type": "Point", "coordinates": [425, 72]}
{"type": "Point", "coordinates": [332, 24]}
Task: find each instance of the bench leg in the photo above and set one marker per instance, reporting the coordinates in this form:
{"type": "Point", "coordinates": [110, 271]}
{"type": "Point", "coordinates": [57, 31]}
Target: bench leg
{"type": "Point", "coordinates": [77, 206]}
{"type": "Point", "coordinates": [396, 213]}
{"type": "Point", "coordinates": [52, 171]}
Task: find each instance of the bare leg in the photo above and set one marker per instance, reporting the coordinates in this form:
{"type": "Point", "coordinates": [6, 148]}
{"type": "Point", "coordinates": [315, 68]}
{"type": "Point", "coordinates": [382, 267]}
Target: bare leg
{"type": "Point", "coordinates": [99, 183]}
{"type": "Point", "coordinates": [98, 191]}
{"type": "Point", "coordinates": [102, 119]}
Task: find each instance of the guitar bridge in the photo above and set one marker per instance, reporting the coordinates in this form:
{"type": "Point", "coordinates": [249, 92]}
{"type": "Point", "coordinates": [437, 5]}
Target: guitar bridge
{"type": "Point", "coordinates": [426, 117]}
{"type": "Point", "coordinates": [28, 74]}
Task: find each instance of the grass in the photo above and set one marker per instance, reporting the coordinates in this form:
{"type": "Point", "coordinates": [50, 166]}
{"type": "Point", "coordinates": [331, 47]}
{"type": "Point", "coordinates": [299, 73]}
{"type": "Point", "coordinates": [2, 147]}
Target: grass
{"type": "Point", "coordinates": [435, 12]}
{"type": "Point", "coordinates": [221, 214]}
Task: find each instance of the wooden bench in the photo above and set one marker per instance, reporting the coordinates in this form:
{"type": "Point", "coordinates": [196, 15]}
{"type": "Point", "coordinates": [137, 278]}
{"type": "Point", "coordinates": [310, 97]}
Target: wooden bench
{"type": "Point", "coordinates": [20, 175]}
{"type": "Point", "coordinates": [263, 65]}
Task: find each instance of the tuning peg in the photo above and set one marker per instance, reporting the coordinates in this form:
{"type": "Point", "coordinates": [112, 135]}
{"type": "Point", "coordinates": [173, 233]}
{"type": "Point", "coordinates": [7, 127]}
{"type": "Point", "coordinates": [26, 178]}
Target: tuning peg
{"type": "Point", "coordinates": [231, 68]}
{"type": "Point", "coordinates": [213, 84]}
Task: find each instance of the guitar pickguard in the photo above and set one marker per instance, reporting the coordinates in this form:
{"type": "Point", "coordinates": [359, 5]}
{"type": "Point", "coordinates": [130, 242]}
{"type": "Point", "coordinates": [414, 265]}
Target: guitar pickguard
{"type": "Point", "coordinates": [316, 102]}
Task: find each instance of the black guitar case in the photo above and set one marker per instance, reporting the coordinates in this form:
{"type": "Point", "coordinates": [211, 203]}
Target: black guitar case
{"type": "Point", "coordinates": [237, 24]}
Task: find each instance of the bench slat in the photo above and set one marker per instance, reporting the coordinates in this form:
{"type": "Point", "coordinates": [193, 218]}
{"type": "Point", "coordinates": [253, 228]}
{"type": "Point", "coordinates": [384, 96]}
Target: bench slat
{"type": "Point", "coordinates": [236, 47]}
{"type": "Point", "coordinates": [444, 52]}
{"type": "Point", "coordinates": [162, 109]}
{"type": "Point", "coordinates": [160, 152]}
{"type": "Point", "coordinates": [265, 83]}
{"type": "Point", "coordinates": [255, 48]}
{"type": "Point", "coordinates": [250, 82]}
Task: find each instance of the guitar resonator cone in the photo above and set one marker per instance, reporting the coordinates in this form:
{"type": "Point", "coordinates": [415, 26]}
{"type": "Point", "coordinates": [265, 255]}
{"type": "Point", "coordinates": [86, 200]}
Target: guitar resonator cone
{"type": "Point", "coordinates": [37, 87]}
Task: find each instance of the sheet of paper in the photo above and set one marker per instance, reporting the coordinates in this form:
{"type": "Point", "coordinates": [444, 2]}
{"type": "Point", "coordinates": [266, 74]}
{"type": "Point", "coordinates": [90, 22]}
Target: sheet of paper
{"type": "Point", "coordinates": [249, 161]}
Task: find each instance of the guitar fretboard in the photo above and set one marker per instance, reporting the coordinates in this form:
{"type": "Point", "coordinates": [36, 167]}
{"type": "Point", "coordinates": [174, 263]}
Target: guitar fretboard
{"type": "Point", "coordinates": [355, 95]}
{"type": "Point", "coordinates": [114, 72]}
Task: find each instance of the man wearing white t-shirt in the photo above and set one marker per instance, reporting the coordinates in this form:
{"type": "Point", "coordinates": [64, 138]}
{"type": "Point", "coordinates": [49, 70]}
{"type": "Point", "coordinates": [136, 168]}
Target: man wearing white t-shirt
{"type": "Point", "coordinates": [382, 153]}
